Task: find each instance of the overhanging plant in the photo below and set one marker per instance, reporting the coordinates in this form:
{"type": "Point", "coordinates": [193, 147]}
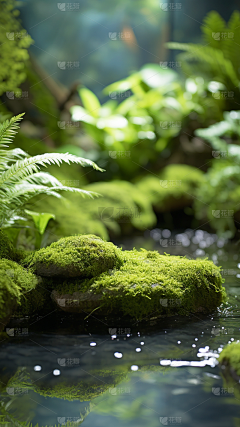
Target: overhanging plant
{"type": "Point", "coordinates": [21, 178]}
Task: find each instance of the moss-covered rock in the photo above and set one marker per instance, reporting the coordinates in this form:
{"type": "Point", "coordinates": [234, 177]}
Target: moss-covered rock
{"type": "Point", "coordinates": [15, 281]}
{"type": "Point", "coordinates": [70, 220]}
{"type": "Point", "coordinates": [76, 256]}
{"type": "Point", "coordinates": [7, 250]}
{"type": "Point", "coordinates": [146, 283]}
{"type": "Point", "coordinates": [120, 209]}
{"type": "Point", "coordinates": [173, 189]}
{"type": "Point", "coordinates": [230, 358]}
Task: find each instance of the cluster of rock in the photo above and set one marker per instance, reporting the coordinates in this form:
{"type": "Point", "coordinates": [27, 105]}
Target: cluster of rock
{"type": "Point", "coordinates": [84, 273]}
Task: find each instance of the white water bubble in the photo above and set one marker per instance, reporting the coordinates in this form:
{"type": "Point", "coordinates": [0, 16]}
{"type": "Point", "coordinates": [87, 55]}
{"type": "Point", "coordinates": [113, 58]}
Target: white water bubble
{"type": "Point", "coordinates": [165, 362]}
{"type": "Point", "coordinates": [118, 355]}
{"type": "Point", "coordinates": [134, 368]}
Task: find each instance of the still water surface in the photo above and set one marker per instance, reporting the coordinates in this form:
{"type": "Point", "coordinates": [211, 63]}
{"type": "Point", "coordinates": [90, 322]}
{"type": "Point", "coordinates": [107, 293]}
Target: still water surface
{"type": "Point", "coordinates": [122, 373]}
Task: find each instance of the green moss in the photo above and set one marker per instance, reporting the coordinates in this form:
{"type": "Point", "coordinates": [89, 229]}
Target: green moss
{"type": "Point", "coordinates": [121, 207]}
{"type": "Point", "coordinates": [174, 188]}
{"type": "Point", "coordinates": [219, 194]}
{"type": "Point", "coordinates": [15, 282]}
{"type": "Point", "coordinates": [151, 283]}
{"type": "Point", "coordinates": [7, 250]}
{"type": "Point", "coordinates": [71, 219]}
{"type": "Point", "coordinates": [230, 357]}
{"type": "Point", "coordinates": [34, 301]}
{"type": "Point", "coordinates": [14, 52]}
{"type": "Point", "coordinates": [76, 256]}
{"type": "Point", "coordinates": [3, 337]}
{"type": "Point", "coordinates": [84, 390]}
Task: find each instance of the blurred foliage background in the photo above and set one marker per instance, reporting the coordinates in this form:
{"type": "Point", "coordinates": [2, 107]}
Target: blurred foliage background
{"type": "Point", "coordinates": [150, 92]}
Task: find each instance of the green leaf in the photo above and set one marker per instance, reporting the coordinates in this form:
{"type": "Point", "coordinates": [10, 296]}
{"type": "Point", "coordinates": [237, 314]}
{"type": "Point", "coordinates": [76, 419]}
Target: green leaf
{"type": "Point", "coordinates": [90, 101]}
{"type": "Point", "coordinates": [41, 220]}
{"type": "Point", "coordinates": [79, 114]}
{"type": "Point", "coordinates": [155, 76]}
{"type": "Point", "coordinates": [123, 85]}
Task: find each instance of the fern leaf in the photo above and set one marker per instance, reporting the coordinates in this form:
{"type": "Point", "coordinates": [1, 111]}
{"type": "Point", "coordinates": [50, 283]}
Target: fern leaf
{"type": "Point", "coordinates": [221, 66]}
{"type": "Point", "coordinates": [8, 129]}
{"type": "Point", "coordinates": [21, 179]}
{"type": "Point", "coordinates": [23, 168]}
{"type": "Point", "coordinates": [213, 28]}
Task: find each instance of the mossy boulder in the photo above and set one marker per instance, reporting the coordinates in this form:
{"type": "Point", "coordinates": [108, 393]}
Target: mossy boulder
{"type": "Point", "coordinates": [71, 218]}
{"type": "Point", "coordinates": [15, 281]}
{"type": "Point", "coordinates": [7, 250]}
{"type": "Point", "coordinates": [76, 256]}
{"type": "Point", "coordinates": [230, 358]}
{"type": "Point", "coordinates": [121, 209]}
{"type": "Point", "coordinates": [147, 283]}
{"type": "Point", "coordinates": [173, 189]}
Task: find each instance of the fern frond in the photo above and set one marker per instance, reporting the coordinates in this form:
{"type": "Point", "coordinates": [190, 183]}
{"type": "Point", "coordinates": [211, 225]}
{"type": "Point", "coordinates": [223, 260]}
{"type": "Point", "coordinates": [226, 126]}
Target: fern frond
{"type": "Point", "coordinates": [214, 25]}
{"type": "Point", "coordinates": [221, 66]}
{"type": "Point", "coordinates": [21, 179]}
{"type": "Point", "coordinates": [23, 168]}
{"type": "Point", "coordinates": [43, 178]}
{"type": "Point", "coordinates": [10, 156]}
{"type": "Point", "coordinates": [231, 46]}
{"type": "Point", "coordinates": [8, 129]}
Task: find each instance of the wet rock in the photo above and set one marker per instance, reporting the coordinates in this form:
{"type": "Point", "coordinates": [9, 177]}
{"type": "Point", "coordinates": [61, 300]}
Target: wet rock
{"type": "Point", "coordinates": [14, 282]}
{"type": "Point", "coordinates": [165, 285]}
{"type": "Point", "coordinates": [76, 256]}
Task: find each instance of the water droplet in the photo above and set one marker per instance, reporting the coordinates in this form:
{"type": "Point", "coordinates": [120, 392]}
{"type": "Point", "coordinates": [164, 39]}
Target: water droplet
{"type": "Point", "coordinates": [118, 355]}
{"type": "Point", "coordinates": [134, 368]}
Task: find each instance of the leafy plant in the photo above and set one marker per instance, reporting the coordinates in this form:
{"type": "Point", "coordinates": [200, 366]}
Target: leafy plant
{"type": "Point", "coordinates": [21, 178]}
{"type": "Point", "coordinates": [14, 42]}
{"type": "Point", "coordinates": [218, 197]}
{"type": "Point", "coordinates": [41, 221]}
{"type": "Point", "coordinates": [138, 132]}
{"type": "Point", "coordinates": [216, 59]}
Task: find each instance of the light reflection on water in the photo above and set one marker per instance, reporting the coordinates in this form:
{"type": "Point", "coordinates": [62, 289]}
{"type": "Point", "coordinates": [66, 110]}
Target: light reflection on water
{"type": "Point", "coordinates": [161, 372]}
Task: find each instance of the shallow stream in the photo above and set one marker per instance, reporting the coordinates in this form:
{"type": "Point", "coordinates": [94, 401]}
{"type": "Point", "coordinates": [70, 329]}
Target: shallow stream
{"type": "Point", "coordinates": [122, 373]}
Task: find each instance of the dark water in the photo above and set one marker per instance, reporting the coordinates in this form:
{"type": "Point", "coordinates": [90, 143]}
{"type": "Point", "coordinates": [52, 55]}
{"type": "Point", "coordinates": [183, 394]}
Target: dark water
{"type": "Point", "coordinates": [123, 373]}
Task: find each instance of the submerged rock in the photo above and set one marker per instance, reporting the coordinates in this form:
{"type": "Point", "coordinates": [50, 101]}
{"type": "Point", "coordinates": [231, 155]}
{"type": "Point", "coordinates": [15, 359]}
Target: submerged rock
{"type": "Point", "coordinates": [147, 283]}
{"type": "Point", "coordinates": [15, 281]}
{"type": "Point", "coordinates": [76, 256]}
